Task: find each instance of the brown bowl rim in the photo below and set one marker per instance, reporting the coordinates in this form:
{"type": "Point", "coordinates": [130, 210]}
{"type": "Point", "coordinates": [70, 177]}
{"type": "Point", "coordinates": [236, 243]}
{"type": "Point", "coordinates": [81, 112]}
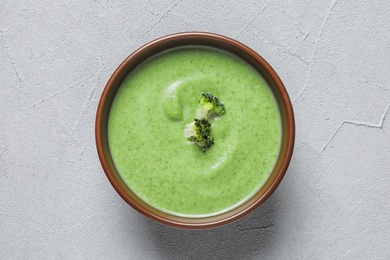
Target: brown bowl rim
{"type": "Point", "coordinates": [285, 101]}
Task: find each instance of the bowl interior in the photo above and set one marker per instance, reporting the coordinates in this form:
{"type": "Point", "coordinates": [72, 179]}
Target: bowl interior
{"type": "Point", "coordinates": [191, 39]}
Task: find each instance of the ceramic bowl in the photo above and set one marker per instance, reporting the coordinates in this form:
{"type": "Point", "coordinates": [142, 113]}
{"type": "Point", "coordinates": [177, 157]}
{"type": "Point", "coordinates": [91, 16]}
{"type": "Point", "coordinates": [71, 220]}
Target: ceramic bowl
{"type": "Point", "coordinates": [201, 39]}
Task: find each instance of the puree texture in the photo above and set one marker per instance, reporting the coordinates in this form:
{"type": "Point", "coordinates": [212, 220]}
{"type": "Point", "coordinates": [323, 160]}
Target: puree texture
{"type": "Point", "coordinates": [146, 132]}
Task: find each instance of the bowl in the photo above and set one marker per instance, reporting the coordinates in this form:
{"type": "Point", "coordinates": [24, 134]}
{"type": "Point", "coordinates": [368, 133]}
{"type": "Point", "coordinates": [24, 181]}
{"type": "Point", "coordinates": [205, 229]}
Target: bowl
{"type": "Point", "coordinates": [198, 39]}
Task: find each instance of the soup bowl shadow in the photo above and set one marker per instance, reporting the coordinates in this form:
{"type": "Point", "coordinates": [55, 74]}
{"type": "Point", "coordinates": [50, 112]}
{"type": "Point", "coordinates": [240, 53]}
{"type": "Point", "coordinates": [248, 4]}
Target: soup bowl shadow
{"type": "Point", "coordinates": [254, 234]}
{"type": "Point", "coordinates": [196, 39]}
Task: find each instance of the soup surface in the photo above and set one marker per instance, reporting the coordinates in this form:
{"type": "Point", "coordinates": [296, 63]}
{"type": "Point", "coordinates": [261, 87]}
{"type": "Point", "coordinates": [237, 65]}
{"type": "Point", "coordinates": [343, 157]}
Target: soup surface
{"type": "Point", "coordinates": [171, 173]}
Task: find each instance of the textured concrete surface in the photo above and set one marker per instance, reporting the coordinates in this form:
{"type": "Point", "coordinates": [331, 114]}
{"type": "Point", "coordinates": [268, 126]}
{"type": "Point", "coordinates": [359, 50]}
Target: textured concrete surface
{"type": "Point", "coordinates": [55, 58]}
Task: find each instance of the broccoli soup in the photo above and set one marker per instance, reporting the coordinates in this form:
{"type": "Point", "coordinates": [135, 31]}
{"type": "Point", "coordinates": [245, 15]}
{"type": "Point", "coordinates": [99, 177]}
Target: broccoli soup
{"type": "Point", "coordinates": [194, 131]}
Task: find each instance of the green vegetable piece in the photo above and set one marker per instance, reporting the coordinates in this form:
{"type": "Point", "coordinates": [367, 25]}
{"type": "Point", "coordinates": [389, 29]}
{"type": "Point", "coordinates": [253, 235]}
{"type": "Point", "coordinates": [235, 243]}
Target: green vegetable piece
{"type": "Point", "coordinates": [209, 106]}
{"type": "Point", "coordinates": [199, 131]}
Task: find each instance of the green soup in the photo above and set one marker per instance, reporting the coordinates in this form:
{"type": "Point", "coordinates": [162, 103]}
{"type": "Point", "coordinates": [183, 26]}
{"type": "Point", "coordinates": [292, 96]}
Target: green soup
{"type": "Point", "coordinates": [171, 173]}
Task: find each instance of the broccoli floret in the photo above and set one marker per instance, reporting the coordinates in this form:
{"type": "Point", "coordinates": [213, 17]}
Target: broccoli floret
{"type": "Point", "coordinates": [209, 105]}
{"type": "Point", "coordinates": [199, 131]}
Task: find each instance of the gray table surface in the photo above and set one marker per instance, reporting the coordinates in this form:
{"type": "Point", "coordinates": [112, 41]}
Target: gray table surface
{"type": "Point", "coordinates": [56, 202]}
